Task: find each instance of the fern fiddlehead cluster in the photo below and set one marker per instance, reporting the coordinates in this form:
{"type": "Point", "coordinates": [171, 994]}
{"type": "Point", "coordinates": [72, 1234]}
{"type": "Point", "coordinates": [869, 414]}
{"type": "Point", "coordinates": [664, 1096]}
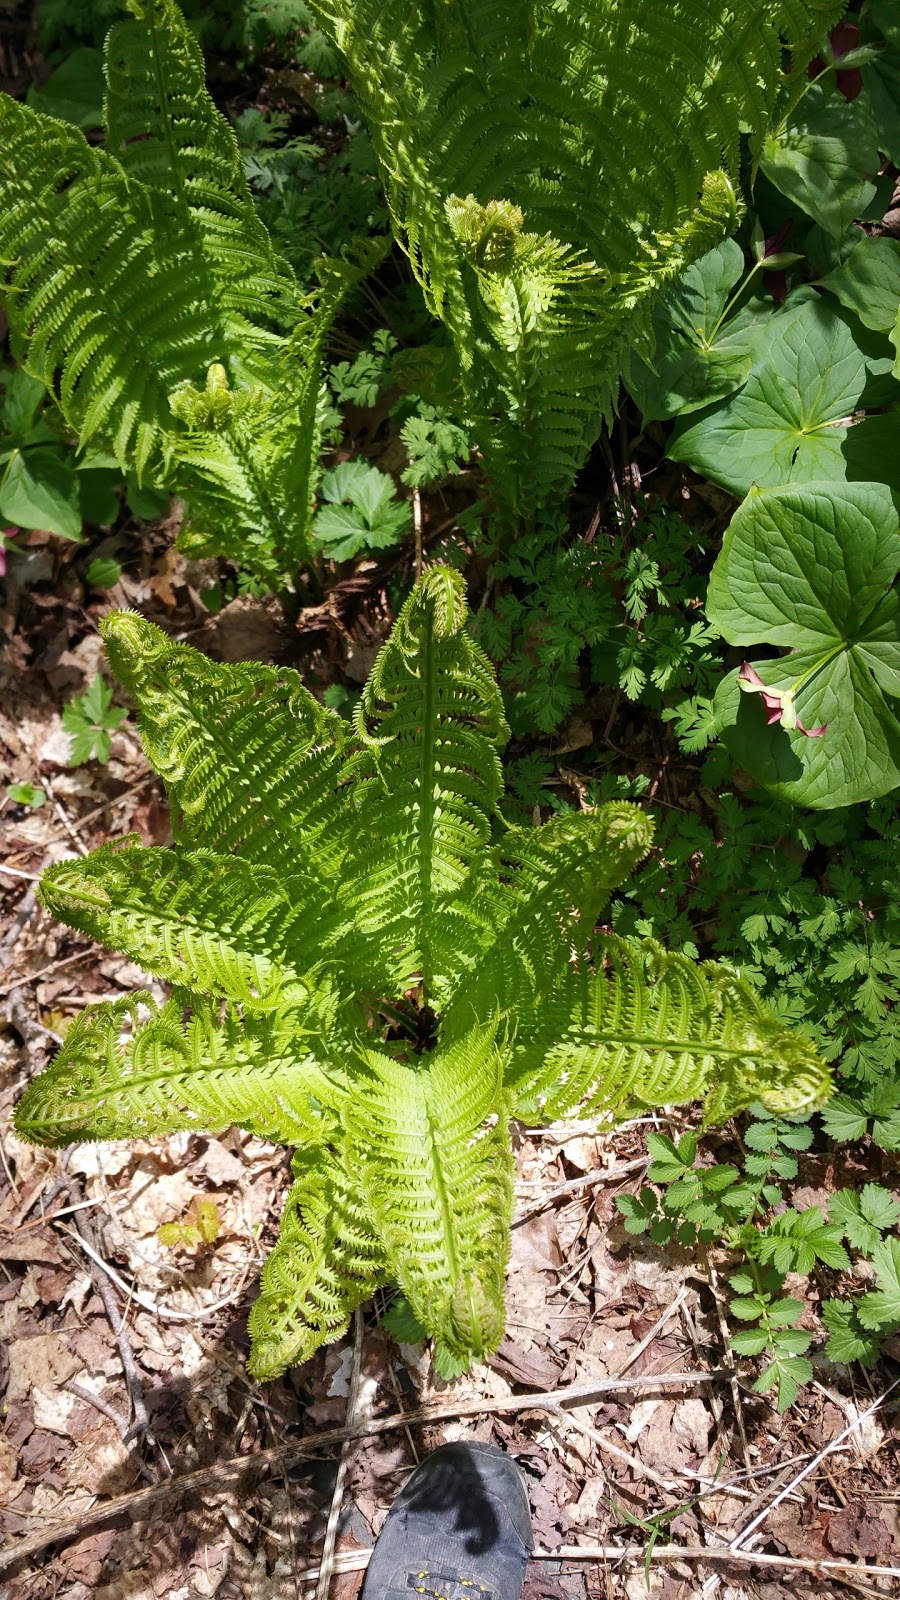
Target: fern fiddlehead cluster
{"type": "Point", "coordinates": [370, 965]}
{"type": "Point", "coordinates": [549, 167]}
{"type": "Point", "coordinates": [142, 288]}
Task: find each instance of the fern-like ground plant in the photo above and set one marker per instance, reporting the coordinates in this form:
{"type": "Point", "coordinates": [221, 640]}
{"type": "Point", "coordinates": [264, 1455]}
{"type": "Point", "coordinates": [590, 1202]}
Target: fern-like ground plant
{"type": "Point", "coordinates": [369, 964]}
{"type": "Point", "coordinates": [142, 288]}
{"type": "Point", "coordinates": [550, 166]}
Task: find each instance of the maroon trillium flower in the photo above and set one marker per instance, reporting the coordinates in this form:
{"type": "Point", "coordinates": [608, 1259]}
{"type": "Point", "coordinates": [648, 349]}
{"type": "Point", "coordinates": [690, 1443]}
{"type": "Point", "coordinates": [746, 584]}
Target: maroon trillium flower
{"type": "Point", "coordinates": [843, 39]}
{"type": "Point", "coordinates": [779, 703]}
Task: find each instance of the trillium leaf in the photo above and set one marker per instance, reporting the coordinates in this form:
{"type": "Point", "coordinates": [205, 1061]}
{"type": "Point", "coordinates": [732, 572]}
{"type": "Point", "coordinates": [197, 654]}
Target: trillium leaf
{"type": "Point", "coordinates": [824, 159]}
{"type": "Point", "coordinates": [790, 422]}
{"type": "Point", "coordinates": [40, 490]}
{"type": "Point", "coordinates": [699, 357]}
{"type": "Point", "coordinates": [808, 568]}
{"type": "Point", "coordinates": [868, 282]}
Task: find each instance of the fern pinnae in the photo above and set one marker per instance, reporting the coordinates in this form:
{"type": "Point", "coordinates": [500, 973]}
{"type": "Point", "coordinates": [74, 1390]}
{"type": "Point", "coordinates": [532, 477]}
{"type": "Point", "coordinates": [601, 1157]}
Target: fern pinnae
{"type": "Point", "coordinates": [320, 874]}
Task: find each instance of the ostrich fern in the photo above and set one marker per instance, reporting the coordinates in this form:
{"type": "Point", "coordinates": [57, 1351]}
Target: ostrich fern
{"type": "Point", "coordinates": [370, 965]}
{"type": "Point", "coordinates": [550, 165]}
{"type": "Point", "coordinates": [142, 288]}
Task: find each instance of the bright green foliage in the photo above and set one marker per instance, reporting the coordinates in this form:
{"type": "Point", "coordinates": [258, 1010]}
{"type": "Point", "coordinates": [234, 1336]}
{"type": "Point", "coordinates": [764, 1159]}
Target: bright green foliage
{"type": "Point", "coordinates": [811, 568]}
{"type": "Point", "coordinates": [549, 168]}
{"type": "Point", "coordinates": [690, 1201]}
{"type": "Point", "coordinates": [42, 483]}
{"type": "Point", "coordinates": [144, 291]}
{"type": "Point", "coordinates": [89, 719]}
{"type": "Point", "coordinates": [792, 420]}
{"type": "Point", "coordinates": [374, 519]}
{"type": "Point", "coordinates": [371, 966]}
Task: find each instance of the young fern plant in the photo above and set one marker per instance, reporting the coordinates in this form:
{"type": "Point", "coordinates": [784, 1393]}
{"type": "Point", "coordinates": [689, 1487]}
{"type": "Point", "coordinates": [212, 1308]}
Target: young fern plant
{"type": "Point", "coordinates": [370, 965]}
{"type": "Point", "coordinates": [550, 167]}
{"type": "Point", "coordinates": [142, 288]}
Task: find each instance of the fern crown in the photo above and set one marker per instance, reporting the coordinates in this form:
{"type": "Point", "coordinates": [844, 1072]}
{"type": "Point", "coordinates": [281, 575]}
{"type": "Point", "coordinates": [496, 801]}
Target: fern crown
{"type": "Point", "coordinates": [550, 166]}
{"type": "Point", "coordinates": [369, 964]}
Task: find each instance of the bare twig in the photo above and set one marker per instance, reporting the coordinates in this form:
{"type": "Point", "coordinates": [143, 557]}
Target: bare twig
{"type": "Point", "coordinates": [589, 1180]}
{"type": "Point", "coordinates": [43, 972]}
{"type": "Point", "coordinates": [69, 826]}
{"type": "Point", "coordinates": [744, 1534]}
{"type": "Point", "coordinates": [326, 1563]}
{"type": "Point", "coordinates": [14, 872]}
{"type": "Point", "coordinates": [208, 1480]}
{"type": "Point", "coordinates": [417, 528]}
{"type": "Point", "coordinates": [140, 1424]}
{"type": "Point", "coordinates": [635, 1555]}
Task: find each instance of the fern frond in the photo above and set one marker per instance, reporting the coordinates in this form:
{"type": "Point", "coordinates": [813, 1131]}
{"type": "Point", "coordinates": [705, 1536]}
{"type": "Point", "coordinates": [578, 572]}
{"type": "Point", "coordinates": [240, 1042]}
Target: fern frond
{"type": "Point", "coordinates": [327, 1262]}
{"type": "Point", "coordinates": [426, 774]}
{"type": "Point", "coordinates": [549, 166]}
{"type": "Point", "coordinates": [209, 924]}
{"type": "Point", "coordinates": [646, 1029]}
{"type": "Point", "coordinates": [252, 762]}
{"type": "Point", "coordinates": [538, 900]}
{"type": "Point", "coordinates": [433, 1152]}
{"type": "Point", "coordinates": [119, 1077]}
{"type": "Point", "coordinates": [139, 279]}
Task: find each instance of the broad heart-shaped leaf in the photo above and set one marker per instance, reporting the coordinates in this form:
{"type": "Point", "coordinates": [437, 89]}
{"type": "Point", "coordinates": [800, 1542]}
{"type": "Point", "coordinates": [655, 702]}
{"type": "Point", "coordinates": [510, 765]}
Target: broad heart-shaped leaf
{"type": "Point", "coordinates": [809, 568]}
{"type": "Point", "coordinates": [698, 357]}
{"type": "Point", "coordinates": [824, 159]}
{"type": "Point", "coordinates": [789, 423]}
{"type": "Point", "coordinates": [40, 489]}
{"type": "Point", "coordinates": [882, 78]}
{"type": "Point", "coordinates": [433, 1150]}
{"type": "Point", "coordinates": [117, 1076]}
{"type": "Point", "coordinates": [868, 282]}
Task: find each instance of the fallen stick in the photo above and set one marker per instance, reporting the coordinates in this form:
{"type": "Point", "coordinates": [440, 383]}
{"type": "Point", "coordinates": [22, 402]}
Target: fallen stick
{"type": "Point", "coordinates": [208, 1479]}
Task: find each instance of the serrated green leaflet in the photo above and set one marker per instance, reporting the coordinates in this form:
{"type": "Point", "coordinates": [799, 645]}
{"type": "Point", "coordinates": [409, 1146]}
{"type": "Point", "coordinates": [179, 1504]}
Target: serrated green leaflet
{"type": "Point", "coordinates": [808, 569]}
{"type": "Point", "coordinates": [824, 159]}
{"type": "Point", "coordinates": [790, 422]}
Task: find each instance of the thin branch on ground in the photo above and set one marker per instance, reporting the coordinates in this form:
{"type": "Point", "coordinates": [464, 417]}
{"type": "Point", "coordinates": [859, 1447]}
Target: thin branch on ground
{"type": "Point", "coordinates": [326, 1564]}
{"type": "Point", "coordinates": [208, 1480]}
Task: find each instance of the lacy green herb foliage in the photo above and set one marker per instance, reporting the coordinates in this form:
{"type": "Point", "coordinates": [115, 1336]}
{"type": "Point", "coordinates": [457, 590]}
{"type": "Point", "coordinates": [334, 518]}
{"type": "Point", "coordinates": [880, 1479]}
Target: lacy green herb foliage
{"type": "Point", "coordinates": [371, 966]}
{"type": "Point", "coordinates": [811, 569]}
{"type": "Point", "coordinates": [626, 604]}
{"type": "Point", "coordinates": [361, 511]}
{"type": "Point", "coordinates": [549, 168]}
{"type": "Point", "coordinates": [691, 1201]}
{"type": "Point", "coordinates": [89, 719]}
{"type": "Point", "coordinates": [143, 290]}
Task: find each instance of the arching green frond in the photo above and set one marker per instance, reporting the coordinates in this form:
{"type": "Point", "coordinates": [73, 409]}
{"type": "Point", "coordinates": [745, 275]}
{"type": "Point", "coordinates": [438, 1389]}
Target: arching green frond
{"type": "Point", "coordinates": [375, 980]}
{"type": "Point", "coordinates": [119, 1077]}
{"type": "Point", "coordinates": [426, 774]}
{"type": "Point", "coordinates": [143, 289]}
{"type": "Point", "coordinates": [167, 135]}
{"type": "Point", "coordinates": [549, 166]}
{"type": "Point", "coordinates": [204, 922]}
{"type": "Point", "coordinates": [251, 760]}
{"type": "Point", "coordinates": [433, 1152]}
{"type": "Point", "coordinates": [538, 899]}
{"type": "Point", "coordinates": [646, 1029]}
{"type": "Point", "coordinates": [327, 1262]}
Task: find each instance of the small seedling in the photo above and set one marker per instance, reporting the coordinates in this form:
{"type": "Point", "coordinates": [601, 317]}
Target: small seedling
{"type": "Point", "coordinates": [202, 1228]}
{"type": "Point", "coordinates": [374, 519]}
{"type": "Point", "coordinates": [25, 794]}
{"type": "Point", "coordinates": [89, 719]}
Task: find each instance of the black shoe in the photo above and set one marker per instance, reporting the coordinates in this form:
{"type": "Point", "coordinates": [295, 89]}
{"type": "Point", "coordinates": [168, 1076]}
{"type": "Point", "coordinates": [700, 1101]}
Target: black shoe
{"type": "Point", "coordinates": [460, 1530]}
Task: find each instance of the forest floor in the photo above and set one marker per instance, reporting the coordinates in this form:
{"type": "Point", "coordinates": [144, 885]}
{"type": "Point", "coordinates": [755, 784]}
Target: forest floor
{"type": "Point", "coordinates": [138, 1459]}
